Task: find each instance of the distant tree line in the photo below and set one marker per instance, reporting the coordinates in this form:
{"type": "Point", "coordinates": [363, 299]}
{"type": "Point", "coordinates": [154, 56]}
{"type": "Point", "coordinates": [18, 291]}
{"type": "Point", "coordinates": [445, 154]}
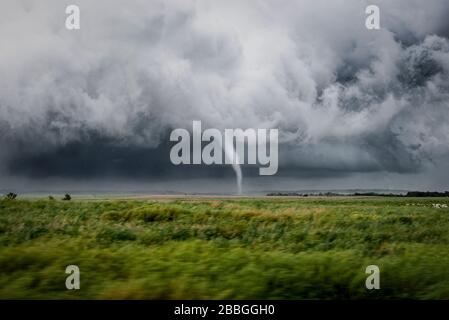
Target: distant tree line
{"type": "Point", "coordinates": [427, 194]}
{"type": "Point", "coordinates": [361, 194]}
{"type": "Point", "coordinates": [13, 196]}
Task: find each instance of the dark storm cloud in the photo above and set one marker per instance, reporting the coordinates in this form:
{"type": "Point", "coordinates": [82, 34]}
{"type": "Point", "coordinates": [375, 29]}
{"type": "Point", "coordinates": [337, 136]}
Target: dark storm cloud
{"type": "Point", "coordinates": [106, 158]}
{"type": "Point", "coordinates": [100, 101]}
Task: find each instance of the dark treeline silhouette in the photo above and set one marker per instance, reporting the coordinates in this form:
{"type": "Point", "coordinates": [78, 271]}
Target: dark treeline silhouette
{"type": "Point", "coordinates": [11, 196]}
{"type": "Point", "coordinates": [361, 194]}
{"type": "Point", "coordinates": [67, 197]}
{"type": "Point", "coordinates": [427, 194]}
{"type": "Point", "coordinates": [298, 194]}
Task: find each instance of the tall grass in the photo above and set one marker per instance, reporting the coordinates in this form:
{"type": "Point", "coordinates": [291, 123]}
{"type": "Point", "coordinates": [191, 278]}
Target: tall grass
{"type": "Point", "coordinates": [314, 248]}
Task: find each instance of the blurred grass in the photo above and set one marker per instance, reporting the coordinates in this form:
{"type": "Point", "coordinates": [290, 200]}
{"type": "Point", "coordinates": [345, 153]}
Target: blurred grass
{"type": "Point", "coordinates": [314, 248]}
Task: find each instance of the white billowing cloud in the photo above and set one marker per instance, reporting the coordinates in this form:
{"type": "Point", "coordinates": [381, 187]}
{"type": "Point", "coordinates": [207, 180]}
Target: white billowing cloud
{"type": "Point", "coordinates": [309, 68]}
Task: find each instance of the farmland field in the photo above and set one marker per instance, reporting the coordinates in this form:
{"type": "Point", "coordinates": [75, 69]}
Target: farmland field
{"type": "Point", "coordinates": [225, 248]}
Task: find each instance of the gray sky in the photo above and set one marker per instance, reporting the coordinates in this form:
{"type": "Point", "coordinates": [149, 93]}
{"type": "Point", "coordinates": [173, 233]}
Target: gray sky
{"type": "Point", "coordinates": [355, 108]}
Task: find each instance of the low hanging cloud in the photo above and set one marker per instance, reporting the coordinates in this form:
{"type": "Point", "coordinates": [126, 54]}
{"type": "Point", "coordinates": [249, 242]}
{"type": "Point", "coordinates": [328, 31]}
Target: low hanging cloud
{"type": "Point", "coordinates": [344, 98]}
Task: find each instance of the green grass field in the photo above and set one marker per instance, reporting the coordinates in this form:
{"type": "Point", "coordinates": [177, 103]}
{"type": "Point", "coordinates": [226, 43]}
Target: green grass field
{"type": "Point", "coordinates": [266, 248]}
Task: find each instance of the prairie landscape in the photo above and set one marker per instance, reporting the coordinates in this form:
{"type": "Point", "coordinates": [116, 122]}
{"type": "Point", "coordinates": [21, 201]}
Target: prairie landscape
{"type": "Point", "coordinates": [225, 248]}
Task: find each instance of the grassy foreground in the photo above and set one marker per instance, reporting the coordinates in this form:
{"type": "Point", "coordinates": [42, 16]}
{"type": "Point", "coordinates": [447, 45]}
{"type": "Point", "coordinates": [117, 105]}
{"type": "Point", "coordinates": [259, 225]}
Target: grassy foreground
{"type": "Point", "coordinates": [290, 248]}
